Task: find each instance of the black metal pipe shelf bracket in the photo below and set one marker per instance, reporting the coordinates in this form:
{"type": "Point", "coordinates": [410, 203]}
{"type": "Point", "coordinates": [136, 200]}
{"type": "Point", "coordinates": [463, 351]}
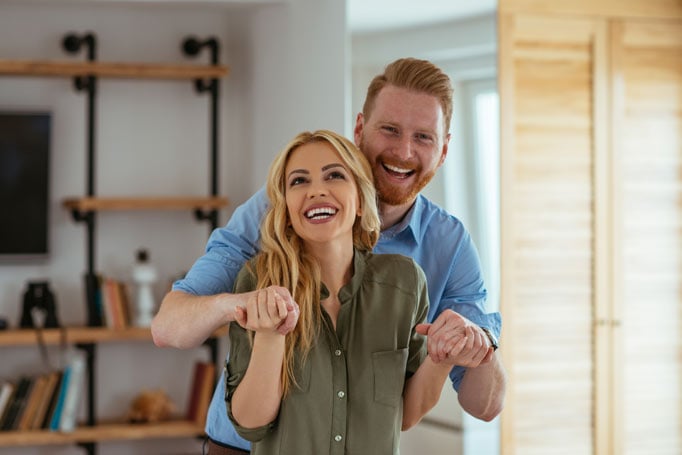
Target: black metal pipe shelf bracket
{"type": "Point", "coordinates": [191, 46]}
{"type": "Point", "coordinates": [73, 43]}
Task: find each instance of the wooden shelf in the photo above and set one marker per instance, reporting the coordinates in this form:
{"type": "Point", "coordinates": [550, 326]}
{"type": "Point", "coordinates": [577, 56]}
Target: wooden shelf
{"type": "Point", "coordinates": [29, 337]}
{"type": "Point", "coordinates": [100, 433]}
{"type": "Point", "coordinates": [87, 204]}
{"type": "Point", "coordinates": [55, 68]}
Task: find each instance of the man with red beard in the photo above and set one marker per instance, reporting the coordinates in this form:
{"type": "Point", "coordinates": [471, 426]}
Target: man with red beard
{"type": "Point", "coordinates": [403, 131]}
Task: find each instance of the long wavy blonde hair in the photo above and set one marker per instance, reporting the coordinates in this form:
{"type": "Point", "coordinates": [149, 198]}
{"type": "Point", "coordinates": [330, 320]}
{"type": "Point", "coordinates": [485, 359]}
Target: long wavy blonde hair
{"type": "Point", "coordinates": [283, 260]}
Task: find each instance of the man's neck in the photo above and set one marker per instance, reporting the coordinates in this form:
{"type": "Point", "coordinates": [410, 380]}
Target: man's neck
{"type": "Point", "coordinates": [392, 214]}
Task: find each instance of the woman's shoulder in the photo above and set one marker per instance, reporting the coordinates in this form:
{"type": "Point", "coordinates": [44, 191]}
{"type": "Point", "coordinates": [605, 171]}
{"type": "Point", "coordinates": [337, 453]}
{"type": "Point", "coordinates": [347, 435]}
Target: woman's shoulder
{"type": "Point", "coordinates": [395, 269]}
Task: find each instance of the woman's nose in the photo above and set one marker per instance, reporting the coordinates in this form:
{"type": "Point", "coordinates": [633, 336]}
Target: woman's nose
{"type": "Point", "coordinates": [316, 190]}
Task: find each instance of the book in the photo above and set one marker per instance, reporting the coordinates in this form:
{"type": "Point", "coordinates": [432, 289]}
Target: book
{"type": "Point", "coordinates": [10, 419]}
{"type": "Point", "coordinates": [32, 401]}
{"type": "Point", "coordinates": [51, 384]}
{"type": "Point", "coordinates": [45, 424]}
{"type": "Point", "coordinates": [74, 394]}
{"type": "Point", "coordinates": [6, 394]}
{"type": "Point", "coordinates": [203, 379]}
{"type": "Point", "coordinates": [57, 412]}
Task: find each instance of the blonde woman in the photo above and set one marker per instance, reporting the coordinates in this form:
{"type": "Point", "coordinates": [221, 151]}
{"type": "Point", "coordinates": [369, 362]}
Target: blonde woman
{"type": "Point", "coordinates": [353, 371]}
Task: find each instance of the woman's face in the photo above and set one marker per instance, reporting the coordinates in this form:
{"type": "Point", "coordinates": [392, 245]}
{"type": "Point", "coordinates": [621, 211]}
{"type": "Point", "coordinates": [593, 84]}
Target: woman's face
{"type": "Point", "coordinates": [321, 196]}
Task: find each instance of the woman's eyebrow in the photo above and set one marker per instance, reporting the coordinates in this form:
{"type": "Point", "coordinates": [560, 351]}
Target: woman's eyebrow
{"type": "Point", "coordinates": [329, 166]}
{"type": "Point", "coordinates": [299, 171]}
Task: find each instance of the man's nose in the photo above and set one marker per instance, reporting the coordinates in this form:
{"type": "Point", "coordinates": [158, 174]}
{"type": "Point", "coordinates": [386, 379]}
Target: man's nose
{"type": "Point", "coordinates": [403, 148]}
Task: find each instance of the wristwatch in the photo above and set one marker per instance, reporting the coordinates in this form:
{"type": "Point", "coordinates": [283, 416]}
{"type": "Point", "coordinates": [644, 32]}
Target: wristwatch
{"type": "Point", "coordinates": [493, 339]}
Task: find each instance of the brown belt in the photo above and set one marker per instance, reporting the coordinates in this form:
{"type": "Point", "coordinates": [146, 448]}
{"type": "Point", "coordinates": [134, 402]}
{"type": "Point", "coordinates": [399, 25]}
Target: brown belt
{"type": "Point", "coordinates": [215, 448]}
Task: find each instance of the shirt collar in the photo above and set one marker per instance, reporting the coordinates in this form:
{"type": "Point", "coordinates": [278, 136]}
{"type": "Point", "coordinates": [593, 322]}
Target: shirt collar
{"type": "Point", "coordinates": [409, 223]}
{"type": "Point", "coordinates": [351, 288]}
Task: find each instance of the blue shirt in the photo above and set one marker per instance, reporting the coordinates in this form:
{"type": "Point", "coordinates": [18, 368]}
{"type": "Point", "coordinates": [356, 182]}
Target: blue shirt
{"type": "Point", "coordinates": [436, 240]}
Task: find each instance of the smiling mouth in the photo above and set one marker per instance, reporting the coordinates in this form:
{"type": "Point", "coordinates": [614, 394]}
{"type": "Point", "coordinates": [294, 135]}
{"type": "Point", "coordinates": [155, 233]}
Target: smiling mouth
{"type": "Point", "coordinates": [320, 213]}
{"type": "Point", "coordinates": [398, 172]}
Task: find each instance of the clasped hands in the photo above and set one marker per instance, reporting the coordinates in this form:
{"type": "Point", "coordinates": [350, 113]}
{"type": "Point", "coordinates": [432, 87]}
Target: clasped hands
{"type": "Point", "coordinates": [271, 309]}
{"type": "Point", "coordinates": [451, 339]}
{"type": "Point", "coordinates": [454, 340]}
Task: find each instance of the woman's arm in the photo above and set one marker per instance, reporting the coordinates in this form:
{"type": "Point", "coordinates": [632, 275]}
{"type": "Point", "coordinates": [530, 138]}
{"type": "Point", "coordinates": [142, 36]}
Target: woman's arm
{"type": "Point", "coordinates": [257, 398]}
{"type": "Point", "coordinates": [423, 389]}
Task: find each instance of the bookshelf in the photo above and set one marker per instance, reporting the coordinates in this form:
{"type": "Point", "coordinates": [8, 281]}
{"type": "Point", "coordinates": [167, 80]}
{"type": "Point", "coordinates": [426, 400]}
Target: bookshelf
{"type": "Point", "coordinates": [85, 74]}
{"type": "Point", "coordinates": [101, 431]}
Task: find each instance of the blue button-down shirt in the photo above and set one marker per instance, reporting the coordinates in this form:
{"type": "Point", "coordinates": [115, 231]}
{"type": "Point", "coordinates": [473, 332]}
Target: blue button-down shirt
{"type": "Point", "coordinates": [436, 240]}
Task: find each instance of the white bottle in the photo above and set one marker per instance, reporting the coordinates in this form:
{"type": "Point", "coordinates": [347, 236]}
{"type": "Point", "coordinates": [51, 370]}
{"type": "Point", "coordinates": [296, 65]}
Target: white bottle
{"type": "Point", "coordinates": [144, 275]}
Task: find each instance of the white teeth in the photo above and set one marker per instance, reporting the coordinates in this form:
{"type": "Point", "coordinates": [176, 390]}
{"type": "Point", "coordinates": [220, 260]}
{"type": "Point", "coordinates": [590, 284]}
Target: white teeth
{"type": "Point", "coordinates": [397, 169]}
{"type": "Point", "coordinates": [322, 212]}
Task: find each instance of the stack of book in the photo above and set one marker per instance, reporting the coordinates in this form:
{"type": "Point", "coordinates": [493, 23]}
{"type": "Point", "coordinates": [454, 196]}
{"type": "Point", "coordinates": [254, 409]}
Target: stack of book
{"type": "Point", "coordinates": [44, 401]}
{"type": "Point", "coordinates": [112, 300]}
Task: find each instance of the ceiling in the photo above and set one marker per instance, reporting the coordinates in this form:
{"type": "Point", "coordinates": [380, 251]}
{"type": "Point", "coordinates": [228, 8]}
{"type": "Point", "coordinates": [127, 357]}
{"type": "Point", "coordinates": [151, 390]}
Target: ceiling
{"type": "Point", "coordinates": [374, 15]}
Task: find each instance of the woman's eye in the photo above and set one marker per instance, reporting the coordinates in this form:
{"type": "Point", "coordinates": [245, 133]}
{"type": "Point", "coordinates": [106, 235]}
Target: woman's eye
{"type": "Point", "coordinates": [336, 175]}
{"type": "Point", "coordinates": [296, 181]}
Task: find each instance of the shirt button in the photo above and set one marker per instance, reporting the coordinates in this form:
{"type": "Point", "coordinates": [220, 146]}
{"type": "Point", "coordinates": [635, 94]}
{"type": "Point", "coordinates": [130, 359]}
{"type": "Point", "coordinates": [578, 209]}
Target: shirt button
{"type": "Point", "coordinates": [341, 394]}
{"type": "Point", "coordinates": [337, 353]}
{"type": "Point", "coordinates": [338, 438]}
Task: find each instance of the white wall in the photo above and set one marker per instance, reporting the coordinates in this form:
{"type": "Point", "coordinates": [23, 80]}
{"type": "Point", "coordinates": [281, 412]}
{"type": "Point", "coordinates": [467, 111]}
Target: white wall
{"type": "Point", "coordinates": [288, 63]}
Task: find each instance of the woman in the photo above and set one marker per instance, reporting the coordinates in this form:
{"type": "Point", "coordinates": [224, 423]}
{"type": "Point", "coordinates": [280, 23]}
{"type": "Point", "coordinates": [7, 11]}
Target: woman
{"type": "Point", "coordinates": [353, 371]}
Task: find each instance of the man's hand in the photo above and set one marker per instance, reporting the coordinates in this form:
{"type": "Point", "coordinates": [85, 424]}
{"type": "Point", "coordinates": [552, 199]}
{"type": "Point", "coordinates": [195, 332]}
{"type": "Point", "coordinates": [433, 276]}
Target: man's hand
{"type": "Point", "coordinates": [270, 309]}
{"type": "Point", "coordinates": [454, 340]}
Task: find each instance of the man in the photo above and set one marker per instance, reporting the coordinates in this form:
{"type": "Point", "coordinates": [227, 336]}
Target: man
{"type": "Point", "coordinates": [403, 131]}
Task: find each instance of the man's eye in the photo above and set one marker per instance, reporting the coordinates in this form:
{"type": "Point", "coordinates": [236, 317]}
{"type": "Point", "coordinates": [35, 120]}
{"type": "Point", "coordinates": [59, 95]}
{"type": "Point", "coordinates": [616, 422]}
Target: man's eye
{"type": "Point", "coordinates": [390, 129]}
{"type": "Point", "coordinates": [424, 137]}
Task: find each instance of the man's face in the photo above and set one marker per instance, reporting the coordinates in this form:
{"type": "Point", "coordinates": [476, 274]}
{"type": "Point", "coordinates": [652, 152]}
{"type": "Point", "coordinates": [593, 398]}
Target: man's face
{"type": "Point", "coordinates": [404, 141]}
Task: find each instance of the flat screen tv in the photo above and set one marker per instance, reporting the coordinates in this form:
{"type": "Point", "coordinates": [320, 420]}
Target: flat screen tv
{"type": "Point", "coordinates": [24, 183]}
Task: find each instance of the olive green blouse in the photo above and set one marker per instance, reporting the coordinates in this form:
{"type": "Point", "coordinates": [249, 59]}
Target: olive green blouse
{"type": "Point", "coordinates": [349, 394]}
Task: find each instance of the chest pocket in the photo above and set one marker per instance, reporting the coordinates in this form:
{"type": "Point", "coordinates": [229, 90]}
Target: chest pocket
{"type": "Point", "coordinates": [389, 376]}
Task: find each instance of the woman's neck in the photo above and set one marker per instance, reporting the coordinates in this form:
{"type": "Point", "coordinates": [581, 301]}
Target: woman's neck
{"type": "Point", "coordinates": [336, 264]}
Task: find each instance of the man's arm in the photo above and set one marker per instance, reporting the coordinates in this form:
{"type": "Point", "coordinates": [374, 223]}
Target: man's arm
{"type": "Point", "coordinates": [481, 392]}
{"type": "Point", "coordinates": [482, 388]}
{"type": "Point", "coordinates": [185, 320]}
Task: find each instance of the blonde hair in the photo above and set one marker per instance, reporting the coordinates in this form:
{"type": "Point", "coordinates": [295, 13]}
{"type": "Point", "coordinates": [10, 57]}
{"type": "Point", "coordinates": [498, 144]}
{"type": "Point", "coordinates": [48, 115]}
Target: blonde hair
{"type": "Point", "coordinates": [284, 262]}
{"type": "Point", "coordinates": [413, 74]}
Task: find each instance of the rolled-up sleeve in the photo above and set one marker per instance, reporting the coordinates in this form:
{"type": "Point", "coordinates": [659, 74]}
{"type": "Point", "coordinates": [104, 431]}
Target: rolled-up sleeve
{"type": "Point", "coordinates": [240, 356]}
{"type": "Point", "coordinates": [228, 249]}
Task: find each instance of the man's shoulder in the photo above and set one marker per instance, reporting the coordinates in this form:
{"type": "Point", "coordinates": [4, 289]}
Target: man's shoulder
{"type": "Point", "coordinates": [437, 223]}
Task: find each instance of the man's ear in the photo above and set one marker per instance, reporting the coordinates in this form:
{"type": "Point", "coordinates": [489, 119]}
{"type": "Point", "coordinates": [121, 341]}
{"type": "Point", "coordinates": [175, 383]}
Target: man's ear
{"type": "Point", "coordinates": [444, 150]}
{"type": "Point", "coordinates": [359, 125]}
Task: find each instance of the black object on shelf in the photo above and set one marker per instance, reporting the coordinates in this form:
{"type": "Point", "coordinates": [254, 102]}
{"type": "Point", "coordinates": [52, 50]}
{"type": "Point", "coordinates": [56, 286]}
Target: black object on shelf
{"type": "Point", "coordinates": [39, 297]}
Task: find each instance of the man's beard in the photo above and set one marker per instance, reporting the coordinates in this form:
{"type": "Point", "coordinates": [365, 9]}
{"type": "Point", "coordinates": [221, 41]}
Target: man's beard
{"type": "Point", "coordinates": [390, 195]}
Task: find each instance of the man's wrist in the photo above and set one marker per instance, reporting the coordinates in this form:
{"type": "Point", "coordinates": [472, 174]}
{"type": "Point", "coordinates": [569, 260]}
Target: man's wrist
{"type": "Point", "coordinates": [494, 343]}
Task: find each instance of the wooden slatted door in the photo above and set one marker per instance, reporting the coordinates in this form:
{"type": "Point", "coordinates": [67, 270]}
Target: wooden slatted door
{"type": "Point", "coordinates": [647, 138]}
{"type": "Point", "coordinates": [547, 160]}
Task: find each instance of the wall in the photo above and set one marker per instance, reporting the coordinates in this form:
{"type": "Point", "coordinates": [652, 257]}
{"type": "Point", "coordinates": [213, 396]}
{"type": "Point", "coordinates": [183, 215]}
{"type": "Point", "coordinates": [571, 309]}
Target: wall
{"type": "Point", "coordinates": [153, 140]}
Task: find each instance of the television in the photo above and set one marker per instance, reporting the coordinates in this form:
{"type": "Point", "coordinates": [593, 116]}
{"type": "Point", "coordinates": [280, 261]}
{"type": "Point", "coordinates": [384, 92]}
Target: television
{"type": "Point", "coordinates": [24, 183]}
